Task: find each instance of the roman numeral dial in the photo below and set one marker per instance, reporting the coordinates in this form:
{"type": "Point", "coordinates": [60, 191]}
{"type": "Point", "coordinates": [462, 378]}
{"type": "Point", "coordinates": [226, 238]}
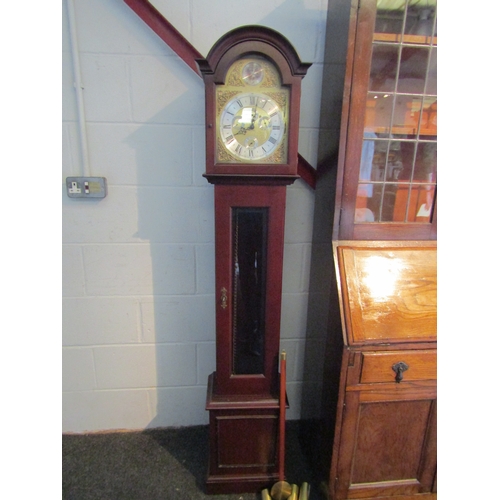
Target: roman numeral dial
{"type": "Point", "coordinates": [252, 126]}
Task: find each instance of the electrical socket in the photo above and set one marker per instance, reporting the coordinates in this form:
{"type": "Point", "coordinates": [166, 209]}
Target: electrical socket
{"type": "Point", "coordinates": [86, 187]}
{"type": "Point", "coordinates": [74, 189]}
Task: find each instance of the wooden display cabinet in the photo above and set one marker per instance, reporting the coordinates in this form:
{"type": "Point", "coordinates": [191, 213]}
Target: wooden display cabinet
{"type": "Point", "coordinates": [385, 430]}
{"type": "Point", "coordinates": [379, 391]}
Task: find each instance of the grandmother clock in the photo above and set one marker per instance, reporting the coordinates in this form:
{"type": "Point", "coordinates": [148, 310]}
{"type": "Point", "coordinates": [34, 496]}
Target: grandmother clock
{"type": "Point", "coordinates": [252, 81]}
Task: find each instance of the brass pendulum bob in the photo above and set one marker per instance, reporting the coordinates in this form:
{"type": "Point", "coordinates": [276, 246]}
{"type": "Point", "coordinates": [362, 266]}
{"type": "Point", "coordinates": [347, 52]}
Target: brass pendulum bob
{"type": "Point", "coordinates": [281, 491]}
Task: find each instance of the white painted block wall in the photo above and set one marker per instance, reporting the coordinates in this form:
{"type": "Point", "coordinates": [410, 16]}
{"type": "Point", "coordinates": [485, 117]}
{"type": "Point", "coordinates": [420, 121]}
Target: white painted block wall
{"type": "Point", "coordinates": [138, 265]}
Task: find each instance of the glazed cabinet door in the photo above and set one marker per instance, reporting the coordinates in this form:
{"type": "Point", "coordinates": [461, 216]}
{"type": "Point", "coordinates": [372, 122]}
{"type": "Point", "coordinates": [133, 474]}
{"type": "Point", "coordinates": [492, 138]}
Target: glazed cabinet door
{"type": "Point", "coordinates": [387, 444]}
{"type": "Point", "coordinates": [389, 124]}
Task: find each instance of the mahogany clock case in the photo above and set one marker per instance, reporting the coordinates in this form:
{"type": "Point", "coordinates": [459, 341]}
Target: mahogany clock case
{"type": "Point", "coordinates": [271, 46]}
{"type": "Point", "coordinates": [250, 174]}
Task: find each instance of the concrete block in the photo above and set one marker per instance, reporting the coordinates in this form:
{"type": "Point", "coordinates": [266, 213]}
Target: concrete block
{"type": "Point", "coordinates": [165, 90]}
{"type": "Point", "coordinates": [105, 410]}
{"type": "Point", "coordinates": [69, 109]}
{"type": "Point", "coordinates": [205, 269]}
{"type": "Point", "coordinates": [77, 369]}
{"type": "Point", "coordinates": [176, 215]}
{"type": "Point", "coordinates": [303, 23]}
{"type": "Point", "coordinates": [100, 321]}
{"type": "Point", "coordinates": [310, 102]}
{"type": "Point", "coordinates": [178, 406]}
{"type": "Point", "coordinates": [139, 269]}
{"type": "Point", "coordinates": [205, 360]}
{"type": "Point", "coordinates": [199, 156]}
{"type": "Point", "coordinates": [294, 315]}
{"type": "Point", "coordinates": [106, 90]}
{"type": "Point", "coordinates": [149, 214]}
{"type": "Point", "coordinates": [113, 219]}
{"type": "Point", "coordinates": [189, 318]}
{"type": "Point", "coordinates": [299, 214]}
{"type": "Point", "coordinates": [294, 393]}
{"type": "Point", "coordinates": [308, 147]}
{"type": "Point", "coordinates": [113, 27]}
{"type": "Point", "coordinates": [126, 367]}
{"type": "Point", "coordinates": [176, 365]}
{"type": "Point", "coordinates": [141, 155]}
{"type": "Point", "coordinates": [71, 157]}
{"type": "Point", "coordinates": [296, 262]}
{"type": "Point", "coordinates": [73, 281]}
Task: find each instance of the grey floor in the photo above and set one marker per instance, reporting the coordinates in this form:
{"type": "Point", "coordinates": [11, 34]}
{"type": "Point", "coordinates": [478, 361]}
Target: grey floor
{"type": "Point", "coordinates": [167, 464]}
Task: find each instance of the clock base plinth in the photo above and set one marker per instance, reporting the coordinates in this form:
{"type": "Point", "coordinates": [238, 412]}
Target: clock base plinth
{"type": "Point", "coordinates": [243, 442]}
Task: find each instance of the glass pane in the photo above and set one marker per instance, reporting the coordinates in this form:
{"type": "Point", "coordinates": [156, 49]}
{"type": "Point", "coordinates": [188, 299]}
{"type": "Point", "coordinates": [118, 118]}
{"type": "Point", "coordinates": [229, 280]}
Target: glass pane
{"type": "Point", "coordinates": [421, 203]}
{"type": "Point", "coordinates": [428, 124]}
{"type": "Point", "coordinates": [383, 68]}
{"type": "Point", "coordinates": [388, 202]}
{"type": "Point", "coordinates": [390, 17]}
{"type": "Point", "coordinates": [407, 115]}
{"type": "Point", "coordinates": [395, 164]}
{"type": "Point", "coordinates": [431, 85]}
{"type": "Point", "coordinates": [413, 70]}
{"type": "Point", "coordinates": [420, 17]}
{"type": "Point", "coordinates": [431, 124]}
{"type": "Point", "coordinates": [378, 113]}
{"type": "Point", "coordinates": [368, 171]}
{"type": "Point", "coordinates": [425, 162]}
{"type": "Point", "coordinates": [249, 289]}
{"type": "Point", "coordinates": [413, 203]}
{"type": "Point", "coordinates": [407, 158]}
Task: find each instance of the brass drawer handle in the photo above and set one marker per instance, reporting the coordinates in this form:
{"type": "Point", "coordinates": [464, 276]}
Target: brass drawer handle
{"type": "Point", "coordinates": [399, 368]}
{"type": "Point", "coordinates": [223, 298]}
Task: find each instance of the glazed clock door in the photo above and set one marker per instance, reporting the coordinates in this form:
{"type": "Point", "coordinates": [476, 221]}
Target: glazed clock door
{"type": "Point", "coordinates": [249, 252]}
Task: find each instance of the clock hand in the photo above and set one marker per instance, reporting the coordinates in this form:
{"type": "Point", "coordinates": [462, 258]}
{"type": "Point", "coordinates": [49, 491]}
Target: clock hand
{"type": "Point", "coordinates": [254, 116]}
{"type": "Point", "coordinates": [242, 131]}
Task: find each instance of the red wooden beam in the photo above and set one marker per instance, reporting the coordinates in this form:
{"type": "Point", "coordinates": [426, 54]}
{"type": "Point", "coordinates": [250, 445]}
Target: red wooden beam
{"type": "Point", "coordinates": [306, 172]}
{"type": "Point", "coordinates": [166, 32]}
{"type": "Point", "coordinates": [174, 39]}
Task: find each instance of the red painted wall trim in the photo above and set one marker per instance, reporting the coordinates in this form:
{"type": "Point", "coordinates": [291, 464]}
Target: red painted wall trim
{"type": "Point", "coordinates": [307, 172]}
{"type": "Point", "coordinates": [166, 32]}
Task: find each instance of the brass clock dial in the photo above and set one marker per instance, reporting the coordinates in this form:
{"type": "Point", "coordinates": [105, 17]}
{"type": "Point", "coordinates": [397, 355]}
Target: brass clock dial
{"type": "Point", "coordinates": [252, 114]}
{"type": "Point", "coordinates": [252, 126]}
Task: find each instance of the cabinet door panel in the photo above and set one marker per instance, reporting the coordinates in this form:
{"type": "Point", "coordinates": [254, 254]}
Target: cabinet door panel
{"type": "Point", "coordinates": [387, 446]}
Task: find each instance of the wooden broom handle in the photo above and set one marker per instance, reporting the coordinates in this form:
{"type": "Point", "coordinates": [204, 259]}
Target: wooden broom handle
{"type": "Point", "coordinates": [281, 471]}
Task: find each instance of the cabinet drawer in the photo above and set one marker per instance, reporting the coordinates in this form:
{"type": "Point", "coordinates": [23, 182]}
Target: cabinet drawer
{"type": "Point", "coordinates": [378, 366]}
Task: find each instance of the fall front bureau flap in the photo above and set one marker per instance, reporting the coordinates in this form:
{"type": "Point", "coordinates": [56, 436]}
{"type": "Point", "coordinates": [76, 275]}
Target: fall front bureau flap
{"type": "Point", "coordinates": [387, 290]}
